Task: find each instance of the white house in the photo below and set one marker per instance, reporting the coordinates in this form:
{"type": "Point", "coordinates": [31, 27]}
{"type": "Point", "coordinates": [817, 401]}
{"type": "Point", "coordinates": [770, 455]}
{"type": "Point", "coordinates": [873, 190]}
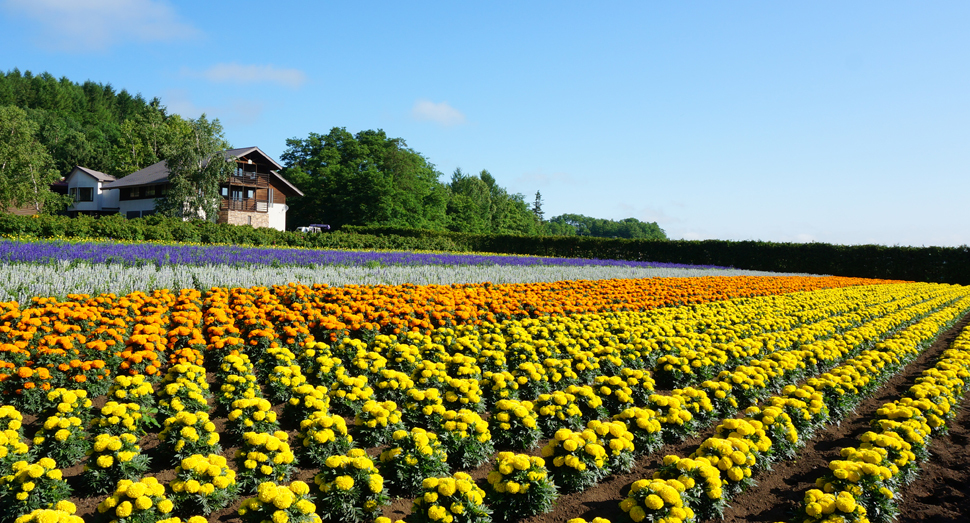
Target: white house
{"type": "Point", "coordinates": [86, 187]}
{"type": "Point", "coordinates": [255, 194]}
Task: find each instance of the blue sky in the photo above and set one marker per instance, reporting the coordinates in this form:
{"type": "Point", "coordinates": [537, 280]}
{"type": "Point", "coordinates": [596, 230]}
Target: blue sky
{"type": "Point", "coordinates": [782, 121]}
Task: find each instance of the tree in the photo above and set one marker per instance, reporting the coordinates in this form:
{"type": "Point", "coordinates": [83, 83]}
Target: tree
{"type": "Point", "coordinates": [83, 124]}
{"type": "Point", "coordinates": [470, 205]}
{"type": "Point", "coordinates": [537, 207]}
{"type": "Point", "coordinates": [570, 224]}
{"type": "Point", "coordinates": [362, 179]}
{"type": "Point", "coordinates": [196, 167]}
{"type": "Point", "coordinates": [477, 204]}
{"type": "Point", "coordinates": [26, 168]}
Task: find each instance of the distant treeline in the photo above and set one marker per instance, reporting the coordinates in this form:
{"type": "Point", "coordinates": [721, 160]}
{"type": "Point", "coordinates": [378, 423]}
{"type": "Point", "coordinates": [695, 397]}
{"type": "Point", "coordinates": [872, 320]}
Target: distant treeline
{"type": "Point", "coordinates": [930, 264]}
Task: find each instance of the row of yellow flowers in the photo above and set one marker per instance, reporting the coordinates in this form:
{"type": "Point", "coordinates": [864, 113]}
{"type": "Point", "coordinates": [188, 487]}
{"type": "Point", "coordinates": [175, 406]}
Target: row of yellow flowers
{"type": "Point", "coordinates": [864, 485]}
{"type": "Point", "coordinates": [723, 465]}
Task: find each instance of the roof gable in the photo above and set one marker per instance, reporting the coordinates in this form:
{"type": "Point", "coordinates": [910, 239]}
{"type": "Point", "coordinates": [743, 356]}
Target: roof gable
{"type": "Point", "coordinates": [255, 154]}
{"type": "Point", "coordinates": [97, 175]}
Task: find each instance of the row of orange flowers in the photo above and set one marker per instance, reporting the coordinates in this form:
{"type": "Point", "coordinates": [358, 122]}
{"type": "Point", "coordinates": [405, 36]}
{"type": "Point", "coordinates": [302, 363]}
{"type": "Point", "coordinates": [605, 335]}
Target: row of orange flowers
{"type": "Point", "coordinates": [82, 340]}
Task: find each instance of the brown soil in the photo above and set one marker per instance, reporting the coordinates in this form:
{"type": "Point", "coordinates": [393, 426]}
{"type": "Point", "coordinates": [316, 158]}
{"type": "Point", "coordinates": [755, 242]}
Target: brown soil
{"type": "Point", "coordinates": [940, 493]}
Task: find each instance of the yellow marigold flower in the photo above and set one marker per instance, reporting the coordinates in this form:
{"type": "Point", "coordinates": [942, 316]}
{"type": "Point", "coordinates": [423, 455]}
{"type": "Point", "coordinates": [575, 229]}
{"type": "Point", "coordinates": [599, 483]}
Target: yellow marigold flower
{"type": "Point", "coordinates": [300, 488]}
{"type": "Point", "coordinates": [845, 502]}
{"type": "Point", "coordinates": [376, 483]}
{"type": "Point", "coordinates": [437, 513]}
{"type": "Point", "coordinates": [284, 498]}
{"type": "Point", "coordinates": [344, 482]}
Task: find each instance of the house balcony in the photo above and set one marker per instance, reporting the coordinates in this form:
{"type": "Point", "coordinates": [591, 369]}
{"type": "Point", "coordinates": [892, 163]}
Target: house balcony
{"type": "Point", "coordinates": [250, 180]}
{"type": "Point", "coordinates": [246, 205]}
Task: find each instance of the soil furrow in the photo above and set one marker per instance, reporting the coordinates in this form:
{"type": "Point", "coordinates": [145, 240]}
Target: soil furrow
{"type": "Point", "coordinates": [779, 490]}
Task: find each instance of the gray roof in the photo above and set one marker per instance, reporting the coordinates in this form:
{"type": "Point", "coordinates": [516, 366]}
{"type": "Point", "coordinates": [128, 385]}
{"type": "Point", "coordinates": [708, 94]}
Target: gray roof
{"type": "Point", "coordinates": [97, 175]}
{"type": "Point", "coordinates": [153, 174]}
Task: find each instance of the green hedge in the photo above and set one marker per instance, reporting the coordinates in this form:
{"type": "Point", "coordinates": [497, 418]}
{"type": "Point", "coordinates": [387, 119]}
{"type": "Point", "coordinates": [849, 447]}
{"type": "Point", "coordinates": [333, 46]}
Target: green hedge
{"type": "Point", "coordinates": [931, 264]}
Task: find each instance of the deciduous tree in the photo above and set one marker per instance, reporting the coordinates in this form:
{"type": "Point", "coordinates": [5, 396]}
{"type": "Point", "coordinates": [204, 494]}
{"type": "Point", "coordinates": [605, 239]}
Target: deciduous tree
{"type": "Point", "coordinates": [196, 167]}
{"type": "Point", "coordinates": [26, 168]}
{"type": "Point", "coordinates": [362, 179]}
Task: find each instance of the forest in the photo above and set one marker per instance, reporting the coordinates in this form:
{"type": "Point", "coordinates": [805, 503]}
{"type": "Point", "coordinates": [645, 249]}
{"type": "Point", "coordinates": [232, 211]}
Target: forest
{"type": "Point", "coordinates": [49, 125]}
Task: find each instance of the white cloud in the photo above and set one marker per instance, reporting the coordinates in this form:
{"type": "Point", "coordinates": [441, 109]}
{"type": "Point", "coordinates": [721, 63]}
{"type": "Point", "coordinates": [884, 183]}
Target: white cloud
{"type": "Point", "coordinates": [440, 113]}
{"type": "Point", "coordinates": [86, 25]}
{"type": "Point", "coordinates": [249, 74]}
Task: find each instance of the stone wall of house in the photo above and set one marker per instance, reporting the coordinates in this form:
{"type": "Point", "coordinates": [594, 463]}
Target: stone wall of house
{"type": "Point", "coordinates": [256, 219]}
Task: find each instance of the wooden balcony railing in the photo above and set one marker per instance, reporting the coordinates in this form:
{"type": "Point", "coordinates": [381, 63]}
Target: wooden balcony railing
{"type": "Point", "coordinates": [250, 180]}
{"type": "Point", "coordinates": [248, 205]}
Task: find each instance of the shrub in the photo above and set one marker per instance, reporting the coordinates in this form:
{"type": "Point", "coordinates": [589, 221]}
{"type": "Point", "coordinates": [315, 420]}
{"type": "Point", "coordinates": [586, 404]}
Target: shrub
{"type": "Point", "coordinates": [447, 499]}
{"type": "Point", "coordinates": [351, 489]}
{"type": "Point", "coordinates": [280, 503]}
{"type": "Point", "coordinates": [519, 487]}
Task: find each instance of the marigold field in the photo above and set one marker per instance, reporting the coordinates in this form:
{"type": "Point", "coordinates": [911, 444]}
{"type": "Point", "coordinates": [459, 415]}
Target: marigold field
{"type": "Point", "coordinates": [747, 398]}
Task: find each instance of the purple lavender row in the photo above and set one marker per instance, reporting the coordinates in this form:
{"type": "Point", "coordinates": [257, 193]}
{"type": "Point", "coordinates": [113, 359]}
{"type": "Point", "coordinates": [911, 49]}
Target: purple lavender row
{"type": "Point", "coordinates": [166, 254]}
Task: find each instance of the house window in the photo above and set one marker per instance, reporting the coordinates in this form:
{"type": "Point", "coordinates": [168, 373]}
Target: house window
{"type": "Point", "coordinates": [136, 192]}
{"type": "Point", "coordinates": [224, 192]}
{"type": "Point", "coordinates": [150, 191]}
{"type": "Point", "coordinates": [72, 192]}
{"type": "Point", "coordinates": [250, 194]}
{"type": "Point", "coordinates": [85, 194]}
{"type": "Point", "coordinates": [246, 171]}
{"type": "Point", "coordinates": [133, 214]}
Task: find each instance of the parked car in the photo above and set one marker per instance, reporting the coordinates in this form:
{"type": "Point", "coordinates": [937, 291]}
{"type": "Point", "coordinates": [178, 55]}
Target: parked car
{"type": "Point", "coordinates": [314, 227]}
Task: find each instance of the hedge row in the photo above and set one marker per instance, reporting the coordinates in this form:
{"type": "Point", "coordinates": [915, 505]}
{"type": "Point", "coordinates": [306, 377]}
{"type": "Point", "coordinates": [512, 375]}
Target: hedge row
{"type": "Point", "coordinates": [158, 228]}
{"type": "Point", "coordinates": [929, 264]}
